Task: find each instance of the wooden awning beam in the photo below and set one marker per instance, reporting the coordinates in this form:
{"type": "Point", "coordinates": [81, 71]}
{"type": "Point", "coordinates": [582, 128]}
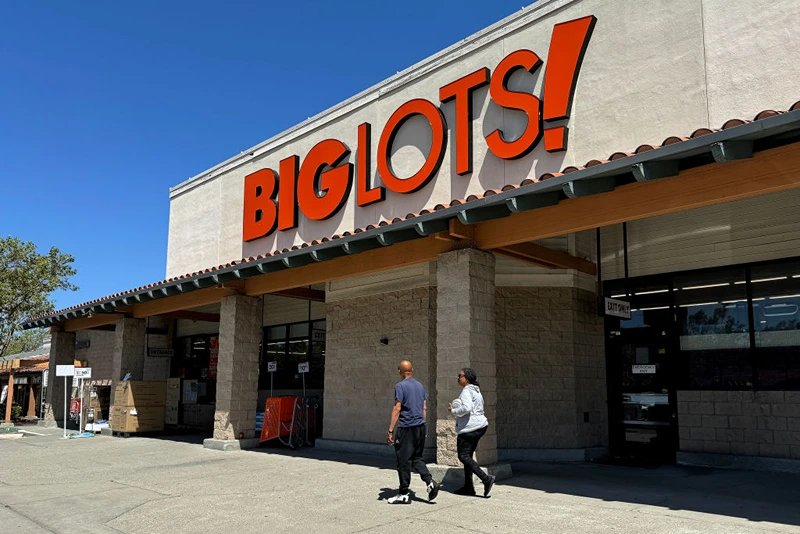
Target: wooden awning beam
{"type": "Point", "coordinates": [529, 252]}
{"type": "Point", "coordinates": [547, 257]}
{"type": "Point", "coordinates": [768, 171]}
{"type": "Point", "coordinates": [192, 316]}
{"type": "Point", "coordinates": [305, 293]}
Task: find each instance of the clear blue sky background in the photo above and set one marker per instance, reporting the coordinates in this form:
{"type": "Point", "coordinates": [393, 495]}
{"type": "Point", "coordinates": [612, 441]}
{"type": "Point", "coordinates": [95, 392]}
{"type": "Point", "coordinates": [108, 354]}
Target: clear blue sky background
{"type": "Point", "coordinates": [106, 105]}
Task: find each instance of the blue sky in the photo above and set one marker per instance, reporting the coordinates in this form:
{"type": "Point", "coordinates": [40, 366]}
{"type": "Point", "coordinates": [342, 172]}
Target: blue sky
{"type": "Point", "coordinates": [106, 105]}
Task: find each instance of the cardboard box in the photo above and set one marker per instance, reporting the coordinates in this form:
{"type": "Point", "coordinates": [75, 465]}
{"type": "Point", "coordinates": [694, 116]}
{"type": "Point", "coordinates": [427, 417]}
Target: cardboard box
{"type": "Point", "coordinates": [137, 419]}
{"type": "Point", "coordinates": [140, 394]}
{"type": "Point", "coordinates": [171, 414]}
{"type": "Point", "coordinates": [173, 390]}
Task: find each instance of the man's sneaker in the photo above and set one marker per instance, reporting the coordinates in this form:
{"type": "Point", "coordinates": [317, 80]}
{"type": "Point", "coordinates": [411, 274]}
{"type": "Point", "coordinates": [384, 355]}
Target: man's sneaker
{"type": "Point", "coordinates": [433, 490]}
{"type": "Point", "coordinates": [463, 490]}
{"type": "Point", "coordinates": [487, 486]}
{"type": "Point", "coordinates": [400, 498]}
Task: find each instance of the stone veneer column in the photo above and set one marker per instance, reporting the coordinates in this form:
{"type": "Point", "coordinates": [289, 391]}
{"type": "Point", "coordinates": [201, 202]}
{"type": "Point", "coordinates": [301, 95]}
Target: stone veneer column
{"type": "Point", "coordinates": [465, 336]}
{"type": "Point", "coordinates": [129, 346]}
{"type": "Point", "coordinates": [62, 352]}
{"type": "Point", "coordinates": [237, 372]}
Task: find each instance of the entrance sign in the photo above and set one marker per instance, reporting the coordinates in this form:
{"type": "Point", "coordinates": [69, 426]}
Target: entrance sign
{"type": "Point", "coordinates": [83, 372]}
{"type": "Point", "coordinates": [320, 184]}
{"type": "Point", "coordinates": [65, 370]}
{"type": "Point", "coordinates": [302, 367]}
{"type": "Point", "coordinates": [618, 308]}
{"type": "Point", "coordinates": [644, 369]}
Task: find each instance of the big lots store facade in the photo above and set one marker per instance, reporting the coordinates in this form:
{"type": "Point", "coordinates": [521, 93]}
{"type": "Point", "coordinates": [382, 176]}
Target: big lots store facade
{"type": "Point", "coordinates": [475, 209]}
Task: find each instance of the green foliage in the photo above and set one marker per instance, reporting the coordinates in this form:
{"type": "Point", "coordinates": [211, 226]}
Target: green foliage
{"type": "Point", "coordinates": [16, 411]}
{"type": "Point", "coordinates": [27, 280]}
{"type": "Point", "coordinates": [26, 341]}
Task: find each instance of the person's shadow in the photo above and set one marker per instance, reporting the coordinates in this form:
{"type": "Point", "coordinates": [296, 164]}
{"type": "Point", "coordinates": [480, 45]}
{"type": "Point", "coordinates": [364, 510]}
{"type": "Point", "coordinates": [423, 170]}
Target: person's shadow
{"type": "Point", "coordinates": [385, 493]}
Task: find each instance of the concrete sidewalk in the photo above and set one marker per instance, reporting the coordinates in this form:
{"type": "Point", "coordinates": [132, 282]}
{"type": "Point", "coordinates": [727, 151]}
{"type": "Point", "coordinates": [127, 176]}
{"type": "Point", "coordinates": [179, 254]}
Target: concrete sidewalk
{"type": "Point", "coordinates": [139, 485]}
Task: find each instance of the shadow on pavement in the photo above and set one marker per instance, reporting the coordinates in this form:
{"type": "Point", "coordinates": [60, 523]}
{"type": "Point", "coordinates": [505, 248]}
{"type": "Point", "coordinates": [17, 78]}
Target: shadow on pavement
{"type": "Point", "coordinates": [385, 493]}
{"type": "Point", "coordinates": [756, 496]}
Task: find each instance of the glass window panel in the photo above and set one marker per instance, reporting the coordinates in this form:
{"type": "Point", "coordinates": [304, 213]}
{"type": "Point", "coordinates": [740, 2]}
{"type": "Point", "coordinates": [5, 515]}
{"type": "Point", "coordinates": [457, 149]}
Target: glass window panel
{"type": "Point", "coordinates": [298, 330]}
{"type": "Point", "coordinates": [776, 315]}
{"type": "Point", "coordinates": [277, 332]}
{"type": "Point", "coordinates": [714, 326]}
{"type": "Point", "coordinates": [298, 350]}
{"type": "Point", "coordinates": [712, 310]}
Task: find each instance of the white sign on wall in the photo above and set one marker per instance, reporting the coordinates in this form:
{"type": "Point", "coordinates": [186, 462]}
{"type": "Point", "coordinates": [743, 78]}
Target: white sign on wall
{"type": "Point", "coordinates": [272, 367]}
{"type": "Point", "coordinates": [302, 367]}
{"type": "Point", "coordinates": [644, 369]}
{"type": "Point", "coordinates": [83, 372]}
{"type": "Point", "coordinates": [65, 370]}
{"type": "Point", "coordinates": [618, 308]}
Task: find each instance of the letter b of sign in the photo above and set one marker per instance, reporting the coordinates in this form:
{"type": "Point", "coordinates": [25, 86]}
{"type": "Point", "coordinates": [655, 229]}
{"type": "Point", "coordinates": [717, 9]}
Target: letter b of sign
{"type": "Point", "coordinates": [260, 209]}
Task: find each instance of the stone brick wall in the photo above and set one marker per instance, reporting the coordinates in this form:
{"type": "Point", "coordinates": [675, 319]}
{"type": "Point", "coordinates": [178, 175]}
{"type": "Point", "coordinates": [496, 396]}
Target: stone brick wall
{"type": "Point", "coordinates": [465, 337]}
{"type": "Point", "coordinates": [237, 371]}
{"type": "Point", "coordinates": [745, 423]}
{"type": "Point", "coordinates": [360, 373]}
{"type": "Point", "coordinates": [98, 355]}
{"type": "Point", "coordinates": [550, 369]}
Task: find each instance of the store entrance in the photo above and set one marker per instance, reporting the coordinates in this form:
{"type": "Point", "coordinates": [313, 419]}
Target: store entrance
{"type": "Point", "coordinates": [641, 368]}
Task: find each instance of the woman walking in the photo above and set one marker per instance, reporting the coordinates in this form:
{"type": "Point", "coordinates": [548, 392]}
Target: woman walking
{"type": "Point", "coordinates": [471, 425]}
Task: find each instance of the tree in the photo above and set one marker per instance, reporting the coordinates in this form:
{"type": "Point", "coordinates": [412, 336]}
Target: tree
{"type": "Point", "coordinates": [27, 279]}
{"type": "Point", "coordinates": [26, 341]}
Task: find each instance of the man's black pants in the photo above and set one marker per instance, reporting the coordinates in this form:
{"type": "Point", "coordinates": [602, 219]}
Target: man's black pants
{"type": "Point", "coordinates": [409, 443]}
{"type": "Point", "coordinates": [466, 444]}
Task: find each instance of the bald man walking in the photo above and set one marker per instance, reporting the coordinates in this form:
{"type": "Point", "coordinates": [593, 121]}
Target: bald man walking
{"type": "Point", "coordinates": [407, 433]}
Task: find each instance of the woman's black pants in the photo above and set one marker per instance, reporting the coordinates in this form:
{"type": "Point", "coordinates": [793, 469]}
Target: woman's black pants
{"type": "Point", "coordinates": [467, 443]}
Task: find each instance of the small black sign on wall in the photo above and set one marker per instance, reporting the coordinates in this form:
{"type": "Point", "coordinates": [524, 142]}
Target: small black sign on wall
{"type": "Point", "coordinates": [83, 344]}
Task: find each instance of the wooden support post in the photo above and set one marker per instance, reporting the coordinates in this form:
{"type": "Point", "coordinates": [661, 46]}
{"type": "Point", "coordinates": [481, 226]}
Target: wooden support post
{"type": "Point", "coordinates": [10, 396]}
{"type": "Point", "coordinates": [31, 400]}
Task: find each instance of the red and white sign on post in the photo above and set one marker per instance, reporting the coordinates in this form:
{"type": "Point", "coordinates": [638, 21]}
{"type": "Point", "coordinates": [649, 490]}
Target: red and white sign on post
{"type": "Point", "coordinates": [302, 368]}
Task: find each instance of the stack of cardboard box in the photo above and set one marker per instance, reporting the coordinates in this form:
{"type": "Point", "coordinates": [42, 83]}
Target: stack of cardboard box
{"type": "Point", "coordinates": [173, 400]}
{"type": "Point", "coordinates": [138, 406]}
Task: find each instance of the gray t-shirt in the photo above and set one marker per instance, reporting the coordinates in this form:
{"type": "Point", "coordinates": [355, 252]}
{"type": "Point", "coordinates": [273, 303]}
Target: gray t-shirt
{"type": "Point", "coordinates": [412, 397]}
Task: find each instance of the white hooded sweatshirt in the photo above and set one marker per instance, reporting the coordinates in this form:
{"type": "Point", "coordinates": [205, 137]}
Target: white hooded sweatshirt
{"type": "Point", "coordinates": [468, 409]}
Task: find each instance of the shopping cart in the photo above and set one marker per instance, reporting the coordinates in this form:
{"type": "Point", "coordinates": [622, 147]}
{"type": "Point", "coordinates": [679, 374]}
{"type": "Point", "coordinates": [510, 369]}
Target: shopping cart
{"type": "Point", "coordinates": [287, 419]}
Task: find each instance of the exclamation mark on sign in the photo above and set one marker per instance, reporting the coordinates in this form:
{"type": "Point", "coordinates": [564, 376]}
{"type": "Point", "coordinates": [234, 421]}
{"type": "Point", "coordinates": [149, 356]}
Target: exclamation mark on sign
{"type": "Point", "coordinates": [567, 46]}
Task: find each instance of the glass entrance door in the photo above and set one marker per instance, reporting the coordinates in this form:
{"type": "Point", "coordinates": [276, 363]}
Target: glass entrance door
{"type": "Point", "coordinates": [641, 369]}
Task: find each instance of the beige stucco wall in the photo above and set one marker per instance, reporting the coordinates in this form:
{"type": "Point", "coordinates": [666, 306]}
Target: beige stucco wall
{"type": "Point", "coordinates": [652, 69]}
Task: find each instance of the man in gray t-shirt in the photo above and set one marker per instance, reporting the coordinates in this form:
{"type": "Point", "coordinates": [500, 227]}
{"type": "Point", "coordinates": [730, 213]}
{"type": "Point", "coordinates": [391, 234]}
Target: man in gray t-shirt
{"type": "Point", "coordinates": [407, 433]}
